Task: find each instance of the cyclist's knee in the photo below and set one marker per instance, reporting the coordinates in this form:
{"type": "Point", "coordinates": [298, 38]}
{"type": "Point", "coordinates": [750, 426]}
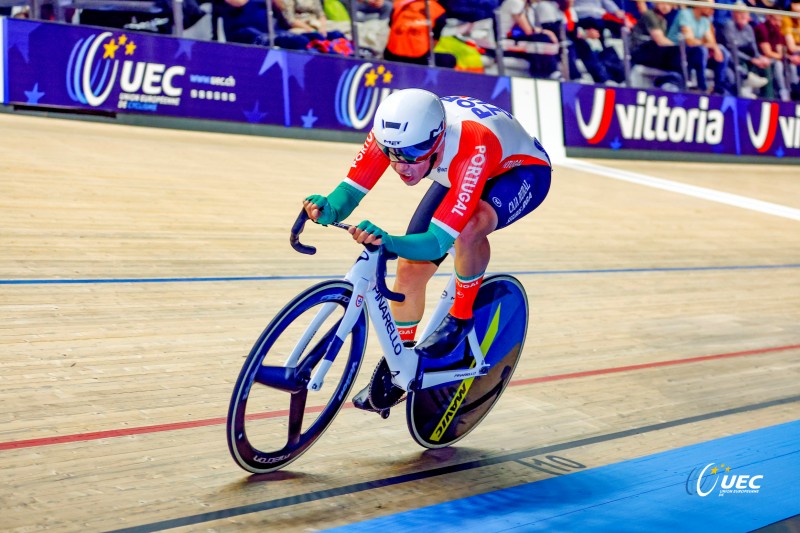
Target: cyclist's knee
{"type": "Point", "coordinates": [482, 223]}
{"type": "Point", "coordinates": [414, 273]}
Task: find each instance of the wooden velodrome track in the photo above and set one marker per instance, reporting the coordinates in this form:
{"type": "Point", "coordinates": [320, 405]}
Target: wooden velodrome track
{"type": "Point", "coordinates": [138, 265]}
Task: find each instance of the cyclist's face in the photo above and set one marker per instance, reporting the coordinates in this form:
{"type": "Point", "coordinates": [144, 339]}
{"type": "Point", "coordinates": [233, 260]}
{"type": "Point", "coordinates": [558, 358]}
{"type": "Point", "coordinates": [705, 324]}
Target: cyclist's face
{"type": "Point", "coordinates": [411, 173]}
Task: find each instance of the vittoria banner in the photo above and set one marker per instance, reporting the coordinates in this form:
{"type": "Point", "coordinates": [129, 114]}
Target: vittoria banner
{"type": "Point", "coordinates": [637, 119]}
{"type": "Point", "coordinates": [119, 71]}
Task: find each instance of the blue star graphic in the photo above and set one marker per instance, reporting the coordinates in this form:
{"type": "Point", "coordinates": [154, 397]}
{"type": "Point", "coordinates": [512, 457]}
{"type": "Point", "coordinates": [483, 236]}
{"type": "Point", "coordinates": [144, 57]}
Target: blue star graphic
{"type": "Point", "coordinates": [503, 85]}
{"type": "Point", "coordinates": [616, 144]}
{"type": "Point", "coordinates": [779, 152]}
{"type": "Point", "coordinates": [679, 100]}
{"type": "Point", "coordinates": [34, 95]}
{"type": "Point", "coordinates": [274, 57]}
{"type": "Point", "coordinates": [255, 115]}
{"type": "Point", "coordinates": [431, 77]}
{"type": "Point", "coordinates": [297, 67]}
{"type": "Point", "coordinates": [728, 102]}
{"type": "Point", "coordinates": [309, 119]}
{"type": "Point", "coordinates": [185, 48]}
{"type": "Point", "coordinates": [293, 66]}
{"type": "Point", "coordinates": [20, 38]}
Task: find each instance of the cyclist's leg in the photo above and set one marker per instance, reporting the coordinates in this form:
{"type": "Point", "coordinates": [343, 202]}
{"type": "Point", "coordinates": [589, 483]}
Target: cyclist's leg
{"type": "Point", "coordinates": [505, 199]}
{"type": "Point", "coordinates": [472, 245]}
{"type": "Point", "coordinates": [413, 276]}
{"type": "Point", "coordinates": [472, 258]}
{"type": "Point", "coordinates": [412, 280]}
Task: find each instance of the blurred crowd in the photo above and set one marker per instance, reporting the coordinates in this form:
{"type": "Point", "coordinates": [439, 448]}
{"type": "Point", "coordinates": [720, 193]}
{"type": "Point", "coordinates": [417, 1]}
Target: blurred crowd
{"type": "Point", "coordinates": [697, 48]}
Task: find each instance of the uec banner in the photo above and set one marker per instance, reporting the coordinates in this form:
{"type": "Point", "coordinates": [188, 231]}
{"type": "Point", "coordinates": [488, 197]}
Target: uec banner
{"type": "Point", "coordinates": [101, 69]}
{"type": "Point", "coordinates": [637, 119]}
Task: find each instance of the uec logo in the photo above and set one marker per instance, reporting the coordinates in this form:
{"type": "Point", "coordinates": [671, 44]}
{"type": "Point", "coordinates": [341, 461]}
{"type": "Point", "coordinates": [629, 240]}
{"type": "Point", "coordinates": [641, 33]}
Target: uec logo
{"type": "Point", "coordinates": [358, 93]}
{"type": "Point", "coordinates": [90, 79]}
{"type": "Point", "coordinates": [729, 483]}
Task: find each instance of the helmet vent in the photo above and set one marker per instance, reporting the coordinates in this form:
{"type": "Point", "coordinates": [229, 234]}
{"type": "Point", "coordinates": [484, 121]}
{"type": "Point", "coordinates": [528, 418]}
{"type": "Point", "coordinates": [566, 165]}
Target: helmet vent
{"type": "Point", "coordinates": [395, 125]}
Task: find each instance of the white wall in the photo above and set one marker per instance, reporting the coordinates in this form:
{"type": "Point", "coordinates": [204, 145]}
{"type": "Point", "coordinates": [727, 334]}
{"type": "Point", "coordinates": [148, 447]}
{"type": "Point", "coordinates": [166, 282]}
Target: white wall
{"type": "Point", "coordinates": [537, 105]}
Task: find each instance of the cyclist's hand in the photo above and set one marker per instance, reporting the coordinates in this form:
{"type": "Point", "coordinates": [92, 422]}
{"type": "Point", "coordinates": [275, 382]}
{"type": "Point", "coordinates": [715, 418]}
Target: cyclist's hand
{"type": "Point", "coordinates": [368, 233]}
{"type": "Point", "coordinates": [319, 209]}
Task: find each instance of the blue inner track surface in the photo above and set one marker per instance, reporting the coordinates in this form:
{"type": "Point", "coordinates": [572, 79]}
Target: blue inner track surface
{"type": "Point", "coordinates": [653, 493]}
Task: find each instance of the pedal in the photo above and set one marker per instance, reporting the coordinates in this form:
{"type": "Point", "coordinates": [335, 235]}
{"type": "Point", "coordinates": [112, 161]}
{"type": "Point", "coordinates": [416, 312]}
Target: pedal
{"type": "Point", "coordinates": [384, 413]}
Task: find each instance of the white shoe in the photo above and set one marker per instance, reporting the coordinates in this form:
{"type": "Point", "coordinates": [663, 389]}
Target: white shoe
{"type": "Point", "coordinates": [754, 81]}
{"type": "Point", "coordinates": [747, 92]}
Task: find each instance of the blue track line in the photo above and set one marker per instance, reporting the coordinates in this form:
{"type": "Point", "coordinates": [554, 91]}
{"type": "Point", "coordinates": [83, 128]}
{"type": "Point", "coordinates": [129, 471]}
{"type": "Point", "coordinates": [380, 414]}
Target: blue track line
{"type": "Point", "coordinates": [323, 277]}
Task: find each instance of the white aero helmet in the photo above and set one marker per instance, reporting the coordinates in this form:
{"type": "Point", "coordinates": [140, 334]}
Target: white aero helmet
{"type": "Point", "coordinates": [409, 125]}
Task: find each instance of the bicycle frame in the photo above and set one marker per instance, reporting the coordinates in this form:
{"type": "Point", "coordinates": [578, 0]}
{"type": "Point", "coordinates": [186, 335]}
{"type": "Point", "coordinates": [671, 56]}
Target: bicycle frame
{"type": "Point", "coordinates": [403, 362]}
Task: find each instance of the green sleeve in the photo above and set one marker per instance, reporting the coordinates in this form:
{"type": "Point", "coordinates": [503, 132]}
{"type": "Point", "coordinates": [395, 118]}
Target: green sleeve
{"type": "Point", "coordinates": [427, 246]}
{"type": "Point", "coordinates": [344, 199]}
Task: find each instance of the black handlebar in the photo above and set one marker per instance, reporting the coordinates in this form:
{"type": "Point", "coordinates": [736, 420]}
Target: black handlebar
{"type": "Point", "coordinates": [383, 255]}
{"type": "Point", "coordinates": [297, 229]}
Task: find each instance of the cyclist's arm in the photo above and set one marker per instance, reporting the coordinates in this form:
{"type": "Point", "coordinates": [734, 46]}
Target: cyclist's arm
{"type": "Point", "coordinates": [427, 246]}
{"type": "Point", "coordinates": [344, 199]}
{"type": "Point", "coordinates": [367, 167]}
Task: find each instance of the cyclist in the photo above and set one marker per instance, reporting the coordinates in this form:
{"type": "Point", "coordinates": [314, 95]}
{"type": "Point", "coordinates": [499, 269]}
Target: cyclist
{"type": "Point", "coordinates": [487, 173]}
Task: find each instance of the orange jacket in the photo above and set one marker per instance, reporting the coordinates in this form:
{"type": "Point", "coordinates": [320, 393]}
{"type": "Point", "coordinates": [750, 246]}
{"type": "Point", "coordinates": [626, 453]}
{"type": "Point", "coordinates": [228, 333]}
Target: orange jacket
{"type": "Point", "coordinates": [409, 30]}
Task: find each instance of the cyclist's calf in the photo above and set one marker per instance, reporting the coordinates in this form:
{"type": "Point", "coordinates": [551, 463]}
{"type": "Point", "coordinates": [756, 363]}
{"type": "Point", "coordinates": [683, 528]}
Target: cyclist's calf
{"type": "Point", "coordinates": [412, 278]}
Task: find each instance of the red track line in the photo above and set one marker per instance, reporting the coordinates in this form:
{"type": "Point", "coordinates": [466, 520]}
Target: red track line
{"type": "Point", "coordinates": [95, 435]}
{"type": "Point", "coordinates": [643, 366]}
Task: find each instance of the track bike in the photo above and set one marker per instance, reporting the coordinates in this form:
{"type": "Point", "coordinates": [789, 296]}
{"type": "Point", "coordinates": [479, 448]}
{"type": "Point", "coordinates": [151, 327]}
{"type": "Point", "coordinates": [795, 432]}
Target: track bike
{"type": "Point", "coordinates": [303, 366]}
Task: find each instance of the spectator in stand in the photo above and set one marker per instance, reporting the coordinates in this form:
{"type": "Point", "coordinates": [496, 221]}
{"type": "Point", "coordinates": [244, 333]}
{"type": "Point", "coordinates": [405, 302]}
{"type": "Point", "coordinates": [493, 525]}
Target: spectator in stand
{"type": "Point", "coordinates": [538, 46]}
{"type": "Point", "coordinates": [781, 5]}
{"type": "Point", "coordinates": [470, 10]}
{"type": "Point", "coordinates": [371, 9]}
{"type": "Point", "coordinates": [156, 19]}
{"type": "Point", "coordinates": [408, 33]}
{"type": "Point", "coordinates": [694, 26]}
{"type": "Point", "coordinates": [601, 15]}
{"type": "Point", "coordinates": [722, 16]}
{"type": "Point", "coordinates": [550, 15]}
{"type": "Point", "coordinates": [307, 17]}
{"type": "Point", "coordinates": [740, 39]}
{"type": "Point", "coordinates": [791, 31]}
{"type": "Point", "coordinates": [245, 21]}
{"type": "Point", "coordinates": [586, 43]}
{"type": "Point", "coordinates": [651, 47]}
{"type": "Point", "coordinates": [772, 44]}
